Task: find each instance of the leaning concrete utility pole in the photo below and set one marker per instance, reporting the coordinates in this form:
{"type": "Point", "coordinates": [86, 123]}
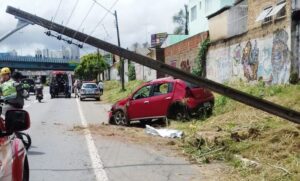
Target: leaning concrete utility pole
{"type": "Point", "coordinates": [122, 73]}
{"type": "Point", "coordinates": [267, 106]}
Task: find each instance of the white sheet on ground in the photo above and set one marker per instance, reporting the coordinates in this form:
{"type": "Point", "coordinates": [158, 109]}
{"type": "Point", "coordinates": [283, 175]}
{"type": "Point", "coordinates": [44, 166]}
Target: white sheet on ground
{"type": "Point", "coordinates": [165, 133]}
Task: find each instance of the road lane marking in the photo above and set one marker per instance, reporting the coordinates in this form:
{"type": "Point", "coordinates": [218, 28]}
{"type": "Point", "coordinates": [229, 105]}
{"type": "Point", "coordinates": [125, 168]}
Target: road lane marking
{"type": "Point", "coordinates": [93, 152]}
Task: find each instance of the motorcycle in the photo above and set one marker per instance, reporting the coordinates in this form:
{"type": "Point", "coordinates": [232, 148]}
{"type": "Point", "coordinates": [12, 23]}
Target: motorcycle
{"type": "Point", "coordinates": [24, 137]}
{"type": "Point", "coordinates": [39, 92]}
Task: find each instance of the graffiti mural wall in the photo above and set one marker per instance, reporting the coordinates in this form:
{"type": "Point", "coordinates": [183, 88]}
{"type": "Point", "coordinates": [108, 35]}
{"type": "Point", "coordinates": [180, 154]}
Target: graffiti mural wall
{"type": "Point", "coordinates": [266, 59]}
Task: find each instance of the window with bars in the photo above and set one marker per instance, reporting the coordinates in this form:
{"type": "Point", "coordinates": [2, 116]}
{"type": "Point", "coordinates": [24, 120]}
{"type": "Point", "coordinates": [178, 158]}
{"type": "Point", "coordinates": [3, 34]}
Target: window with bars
{"type": "Point", "coordinates": [268, 19]}
{"type": "Point", "coordinates": [282, 9]}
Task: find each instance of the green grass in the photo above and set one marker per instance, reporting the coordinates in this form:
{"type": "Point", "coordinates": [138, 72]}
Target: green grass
{"type": "Point", "coordinates": [266, 139]}
{"type": "Point", "coordinates": [113, 93]}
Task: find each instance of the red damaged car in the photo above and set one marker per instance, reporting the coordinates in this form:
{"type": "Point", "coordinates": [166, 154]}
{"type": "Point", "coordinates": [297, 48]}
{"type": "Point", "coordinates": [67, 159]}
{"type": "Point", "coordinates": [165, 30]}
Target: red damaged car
{"type": "Point", "coordinates": [161, 98]}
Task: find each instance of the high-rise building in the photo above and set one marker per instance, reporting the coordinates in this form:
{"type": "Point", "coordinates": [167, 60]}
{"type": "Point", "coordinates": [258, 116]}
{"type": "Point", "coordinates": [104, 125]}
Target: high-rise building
{"type": "Point", "coordinates": [13, 53]}
{"type": "Point", "coordinates": [46, 53]}
{"type": "Point", "coordinates": [38, 53]}
{"type": "Point", "coordinates": [75, 54]}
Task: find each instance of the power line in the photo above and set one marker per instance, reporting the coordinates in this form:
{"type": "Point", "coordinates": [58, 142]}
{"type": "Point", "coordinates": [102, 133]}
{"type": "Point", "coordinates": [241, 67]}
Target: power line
{"type": "Point", "coordinates": [99, 23]}
{"type": "Point", "coordinates": [105, 30]}
{"type": "Point", "coordinates": [90, 9]}
{"type": "Point", "coordinates": [103, 7]}
{"type": "Point", "coordinates": [56, 12]}
{"type": "Point", "coordinates": [72, 12]}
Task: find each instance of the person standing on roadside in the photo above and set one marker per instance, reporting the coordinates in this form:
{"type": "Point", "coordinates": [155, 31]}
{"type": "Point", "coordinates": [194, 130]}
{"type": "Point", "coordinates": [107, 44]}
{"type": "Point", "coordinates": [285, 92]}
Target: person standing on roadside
{"type": "Point", "coordinates": [101, 86]}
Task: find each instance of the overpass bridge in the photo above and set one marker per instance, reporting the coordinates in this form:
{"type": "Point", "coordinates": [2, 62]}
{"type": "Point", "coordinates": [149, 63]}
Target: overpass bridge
{"type": "Point", "coordinates": [36, 63]}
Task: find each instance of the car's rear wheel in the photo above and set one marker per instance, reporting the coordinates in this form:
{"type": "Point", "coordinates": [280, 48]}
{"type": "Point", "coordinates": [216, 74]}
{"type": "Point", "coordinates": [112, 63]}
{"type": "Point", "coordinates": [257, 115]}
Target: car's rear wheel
{"type": "Point", "coordinates": [206, 110]}
{"type": "Point", "coordinates": [120, 118]}
{"type": "Point", "coordinates": [26, 170]}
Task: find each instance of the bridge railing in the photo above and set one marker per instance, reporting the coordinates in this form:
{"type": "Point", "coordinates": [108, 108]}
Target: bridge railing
{"type": "Point", "coordinates": [34, 59]}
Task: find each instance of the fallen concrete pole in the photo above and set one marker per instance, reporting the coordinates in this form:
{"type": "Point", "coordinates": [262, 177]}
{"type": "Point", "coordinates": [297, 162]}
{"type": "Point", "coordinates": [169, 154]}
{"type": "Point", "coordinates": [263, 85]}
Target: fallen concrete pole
{"type": "Point", "coordinates": [237, 95]}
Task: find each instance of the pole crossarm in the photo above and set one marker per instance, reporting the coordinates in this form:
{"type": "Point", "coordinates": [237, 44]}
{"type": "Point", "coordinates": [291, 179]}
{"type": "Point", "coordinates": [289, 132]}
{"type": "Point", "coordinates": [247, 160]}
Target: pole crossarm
{"type": "Point", "coordinates": [237, 95]}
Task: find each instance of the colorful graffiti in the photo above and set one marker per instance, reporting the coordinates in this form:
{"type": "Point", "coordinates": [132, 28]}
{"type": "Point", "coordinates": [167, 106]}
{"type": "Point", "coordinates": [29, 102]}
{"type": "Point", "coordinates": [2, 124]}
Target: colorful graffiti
{"type": "Point", "coordinates": [237, 59]}
{"type": "Point", "coordinates": [280, 57]}
{"type": "Point", "coordinates": [265, 59]}
{"type": "Point", "coordinates": [185, 66]}
{"type": "Point", "coordinates": [250, 61]}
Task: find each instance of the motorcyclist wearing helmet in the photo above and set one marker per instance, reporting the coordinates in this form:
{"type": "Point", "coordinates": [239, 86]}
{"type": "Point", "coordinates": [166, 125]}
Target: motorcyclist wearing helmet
{"type": "Point", "coordinates": [8, 92]}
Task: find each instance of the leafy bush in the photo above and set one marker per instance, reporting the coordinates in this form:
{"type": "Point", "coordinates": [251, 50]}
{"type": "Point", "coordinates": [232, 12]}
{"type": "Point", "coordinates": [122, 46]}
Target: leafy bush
{"type": "Point", "coordinates": [131, 72]}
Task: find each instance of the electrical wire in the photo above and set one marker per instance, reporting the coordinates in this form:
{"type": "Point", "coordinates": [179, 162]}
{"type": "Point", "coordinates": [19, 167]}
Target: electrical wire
{"type": "Point", "coordinates": [99, 23]}
{"type": "Point", "coordinates": [84, 19]}
{"type": "Point", "coordinates": [56, 12]}
{"type": "Point", "coordinates": [105, 30]}
{"type": "Point", "coordinates": [72, 12]}
{"type": "Point", "coordinates": [103, 7]}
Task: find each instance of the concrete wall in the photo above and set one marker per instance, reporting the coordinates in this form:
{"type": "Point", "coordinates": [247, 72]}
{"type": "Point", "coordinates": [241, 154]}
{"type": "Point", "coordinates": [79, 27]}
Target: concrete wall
{"type": "Point", "coordinates": [144, 73]}
{"type": "Point", "coordinates": [183, 54]}
{"type": "Point", "coordinates": [263, 52]}
{"type": "Point", "coordinates": [266, 58]}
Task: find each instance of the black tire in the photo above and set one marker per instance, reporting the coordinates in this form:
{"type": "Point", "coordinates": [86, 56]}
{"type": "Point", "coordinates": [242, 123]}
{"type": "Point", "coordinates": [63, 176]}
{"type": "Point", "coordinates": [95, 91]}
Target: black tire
{"type": "Point", "coordinates": [206, 112]}
{"type": "Point", "coordinates": [52, 96]}
{"type": "Point", "coordinates": [26, 170]}
{"type": "Point", "coordinates": [26, 139]}
{"type": "Point", "coordinates": [178, 112]}
{"type": "Point", "coordinates": [181, 113]}
{"type": "Point", "coordinates": [145, 122]}
{"type": "Point", "coordinates": [81, 99]}
{"type": "Point", "coordinates": [120, 118]}
{"type": "Point", "coordinates": [97, 99]}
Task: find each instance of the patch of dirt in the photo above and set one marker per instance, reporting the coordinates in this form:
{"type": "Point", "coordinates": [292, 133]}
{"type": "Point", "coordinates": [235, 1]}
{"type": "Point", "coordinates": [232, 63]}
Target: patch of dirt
{"type": "Point", "coordinates": [168, 146]}
{"type": "Point", "coordinates": [133, 135]}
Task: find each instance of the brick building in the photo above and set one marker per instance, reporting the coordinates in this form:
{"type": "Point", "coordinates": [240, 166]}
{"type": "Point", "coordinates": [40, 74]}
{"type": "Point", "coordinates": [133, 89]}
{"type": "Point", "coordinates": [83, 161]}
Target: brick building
{"type": "Point", "coordinates": [253, 40]}
{"type": "Point", "coordinates": [184, 53]}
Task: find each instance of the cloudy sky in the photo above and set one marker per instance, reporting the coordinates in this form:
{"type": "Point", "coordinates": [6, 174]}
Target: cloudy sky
{"type": "Point", "coordinates": [138, 19]}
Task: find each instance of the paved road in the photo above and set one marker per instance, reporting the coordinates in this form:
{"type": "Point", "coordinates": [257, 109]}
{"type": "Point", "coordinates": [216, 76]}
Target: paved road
{"type": "Point", "coordinates": [61, 154]}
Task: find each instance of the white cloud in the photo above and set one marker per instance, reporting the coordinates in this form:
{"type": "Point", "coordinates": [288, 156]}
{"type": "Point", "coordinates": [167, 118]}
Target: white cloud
{"type": "Point", "coordinates": [138, 19]}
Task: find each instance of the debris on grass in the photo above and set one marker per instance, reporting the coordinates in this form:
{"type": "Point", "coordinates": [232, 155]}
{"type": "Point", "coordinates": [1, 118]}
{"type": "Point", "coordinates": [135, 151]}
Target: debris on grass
{"type": "Point", "coordinates": [165, 133]}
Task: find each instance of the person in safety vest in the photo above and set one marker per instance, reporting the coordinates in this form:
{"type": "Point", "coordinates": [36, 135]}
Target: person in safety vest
{"type": "Point", "coordinates": [8, 92]}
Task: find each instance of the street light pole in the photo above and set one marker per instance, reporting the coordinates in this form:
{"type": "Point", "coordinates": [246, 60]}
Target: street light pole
{"type": "Point", "coordinates": [121, 59]}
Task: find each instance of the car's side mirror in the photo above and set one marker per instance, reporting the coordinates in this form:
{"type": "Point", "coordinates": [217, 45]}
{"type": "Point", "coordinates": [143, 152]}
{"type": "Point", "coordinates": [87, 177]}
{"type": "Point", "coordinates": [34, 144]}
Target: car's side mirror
{"type": "Point", "coordinates": [17, 120]}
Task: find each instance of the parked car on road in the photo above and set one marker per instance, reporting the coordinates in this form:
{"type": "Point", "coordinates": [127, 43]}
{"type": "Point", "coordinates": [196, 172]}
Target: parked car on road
{"type": "Point", "coordinates": [13, 155]}
{"type": "Point", "coordinates": [167, 97]}
{"type": "Point", "coordinates": [31, 84]}
{"type": "Point", "coordinates": [89, 90]}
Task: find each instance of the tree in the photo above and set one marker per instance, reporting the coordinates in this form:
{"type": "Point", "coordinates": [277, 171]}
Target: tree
{"type": "Point", "coordinates": [182, 21]}
{"type": "Point", "coordinates": [146, 45]}
{"type": "Point", "coordinates": [90, 66]}
{"type": "Point", "coordinates": [131, 72]}
{"type": "Point", "coordinates": [135, 46]}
